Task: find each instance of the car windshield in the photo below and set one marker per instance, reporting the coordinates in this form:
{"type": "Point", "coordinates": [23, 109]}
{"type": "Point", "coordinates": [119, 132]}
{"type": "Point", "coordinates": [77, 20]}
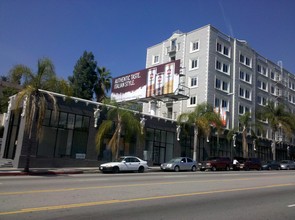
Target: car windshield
{"type": "Point", "coordinates": [174, 160]}
{"type": "Point", "coordinates": [284, 161]}
{"type": "Point", "coordinates": [119, 159]}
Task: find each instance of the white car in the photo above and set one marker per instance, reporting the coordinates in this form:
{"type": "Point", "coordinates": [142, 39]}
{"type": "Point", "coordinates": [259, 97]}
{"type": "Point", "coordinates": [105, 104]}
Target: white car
{"type": "Point", "coordinates": [123, 164]}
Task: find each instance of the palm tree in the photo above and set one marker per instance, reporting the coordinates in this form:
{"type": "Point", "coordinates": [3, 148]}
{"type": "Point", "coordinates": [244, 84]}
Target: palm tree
{"type": "Point", "coordinates": [118, 120]}
{"type": "Point", "coordinates": [103, 84]}
{"type": "Point", "coordinates": [203, 118]}
{"type": "Point", "coordinates": [245, 120]}
{"type": "Point", "coordinates": [32, 100]}
{"type": "Point", "coordinates": [279, 120]}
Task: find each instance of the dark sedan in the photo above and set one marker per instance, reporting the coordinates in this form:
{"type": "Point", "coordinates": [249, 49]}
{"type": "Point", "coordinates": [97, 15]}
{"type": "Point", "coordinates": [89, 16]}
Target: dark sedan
{"type": "Point", "coordinates": [271, 165]}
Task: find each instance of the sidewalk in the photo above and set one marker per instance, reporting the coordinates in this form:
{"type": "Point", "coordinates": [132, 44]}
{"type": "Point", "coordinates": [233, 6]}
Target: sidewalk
{"type": "Point", "coordinates": [57, 171]}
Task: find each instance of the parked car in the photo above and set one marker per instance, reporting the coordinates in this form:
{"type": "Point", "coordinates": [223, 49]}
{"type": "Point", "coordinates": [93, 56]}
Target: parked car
{"type": "Point", "coordinates": [123, 164]}
{"type": "Point", "coordinates": [271, 165]}
{"type": "Point", "coordinates": [251, 164]}
{"type": "Point", "coordinates": [287, 165]}
{"type": "Point", "coordinates": [216, 163]}
{"type": "Point", "coordinates": [180, 164]}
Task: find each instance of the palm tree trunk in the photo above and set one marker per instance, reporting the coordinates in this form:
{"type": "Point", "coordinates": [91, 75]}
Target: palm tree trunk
{"type": "Point", "coordinates": [245, 146]}
{"type": "Point", "coordinates": [195, 153]}
{"type": "Point", "coordinates": [28, 156]}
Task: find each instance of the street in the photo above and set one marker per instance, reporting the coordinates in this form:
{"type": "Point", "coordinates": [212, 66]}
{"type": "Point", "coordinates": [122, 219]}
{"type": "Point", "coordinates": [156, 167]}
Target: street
{"type": "Point", "coordinates": [154, 195]}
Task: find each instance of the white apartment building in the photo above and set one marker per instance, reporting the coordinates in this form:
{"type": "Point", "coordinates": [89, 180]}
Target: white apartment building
{"type": "Point", "coordinates": [224, 72]}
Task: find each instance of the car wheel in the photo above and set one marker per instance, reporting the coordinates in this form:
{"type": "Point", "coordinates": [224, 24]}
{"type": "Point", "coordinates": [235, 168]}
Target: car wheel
{"type": "Point", "coordinates": [176, 169]}
{"type": "Point", "coordinates": [141, 169]}
{"type": "Point", "coordinates": [288, 168]}
{"type": "Point", "coordinates": [279, 168]}
{"type": "Point", "coordinates": [194, 168]}
{"type": "Point", "coordinates": [227, 168]}
{"type": "Point", "coordinates": [269, 168]}
{"type": "Point", "coordinates": [213, 169]}
{"type": "Point", "coordinates": [116, 169]}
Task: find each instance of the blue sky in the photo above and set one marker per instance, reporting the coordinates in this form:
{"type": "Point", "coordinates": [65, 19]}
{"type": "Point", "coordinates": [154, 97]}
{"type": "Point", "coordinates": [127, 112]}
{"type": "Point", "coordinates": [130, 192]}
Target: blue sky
{"type": "Point", "coordinates": [118, 32]}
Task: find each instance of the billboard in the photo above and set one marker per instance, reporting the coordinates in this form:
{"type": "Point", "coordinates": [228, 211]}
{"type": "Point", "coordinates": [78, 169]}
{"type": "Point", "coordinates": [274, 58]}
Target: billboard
{"type": "Point", "coordinates": [154, 81]}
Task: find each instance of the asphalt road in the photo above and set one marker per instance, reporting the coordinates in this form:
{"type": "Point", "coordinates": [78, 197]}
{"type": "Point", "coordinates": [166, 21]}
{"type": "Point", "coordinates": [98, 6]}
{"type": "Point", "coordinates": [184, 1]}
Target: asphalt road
{"type": "Point", "coordinates": [185, 195]}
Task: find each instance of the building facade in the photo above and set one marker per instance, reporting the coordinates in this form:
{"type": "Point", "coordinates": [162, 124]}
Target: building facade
{"type": "Point", "coordinates": [231, 76]}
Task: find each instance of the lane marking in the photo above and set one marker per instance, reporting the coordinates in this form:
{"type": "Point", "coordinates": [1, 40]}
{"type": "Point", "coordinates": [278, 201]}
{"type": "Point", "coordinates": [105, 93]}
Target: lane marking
{"type": "Point", "coordinates": [108, 202]}
{"type": "Point", "coordinates": [290, 206]}
{"type": "Point", "coordinates": [118, 186]}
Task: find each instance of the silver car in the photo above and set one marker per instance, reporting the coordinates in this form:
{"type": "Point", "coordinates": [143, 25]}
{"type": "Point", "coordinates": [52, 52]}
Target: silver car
{"type": "Point", "coordinates": [287, 165]}
{"type": "Point", "coordinates": [180, 164]}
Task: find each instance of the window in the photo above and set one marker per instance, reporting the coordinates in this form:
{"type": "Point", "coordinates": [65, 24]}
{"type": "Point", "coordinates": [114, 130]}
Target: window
{"type": "Point", "coordinates": [225, 51]}
{"type": "Point", "coordinates": [217, 83]}
{"type": "Point", "coordinates": [222, 67]}
{"type": "Point", "coordinates": [218, 47]}
{"type": "Point", "coordinates": [217, 102]}
{"type": "Point", "coordinates": [248, 78]}
{"type": "Point", "coordinates": [222, 49]}
{"type": "Point", "coordinates": [194, 64]}
{"type": "Point", "coordinates": [194, 81]}
{"type": "Point", "coordinates": [272, 75]}
{"type": "Point", "coordinates": [242, 58]}
{"type": "Point", "coordinates": [224, 86]}
{"type": "Point", "coordinates": [221, 85]}
{"type": "Point", "coordinates": [218, 65]}
{"type": "Point", "coordinates": [194, 46]}
{"type": "Point", "coordinates": [262, 85]}
{"type": "Point", "coordinates": [258, 68]}
{"type": "Point", "coordinates": [193, 100]}
{"type": "Point", "coordinates": [225, 68]}
{"type": "Point", "coordinates": [242, 75]}
{"type": "Point", "coordinates": [224, 104]}
{"type": "Point", "coordinates": [244, 93]}
{"type": "Point", "coordinates": [248, 62]}
{"type": "Point", "coordinates": [243, 109]}
{"type": "Point", "coordinates": [261, 100]}
{"type": "Point", "coordinates": [241, 92]}
{"type": "Point", "coordinates": [245, 60]}
{"type": "Point", "coordinates": [155, 59]}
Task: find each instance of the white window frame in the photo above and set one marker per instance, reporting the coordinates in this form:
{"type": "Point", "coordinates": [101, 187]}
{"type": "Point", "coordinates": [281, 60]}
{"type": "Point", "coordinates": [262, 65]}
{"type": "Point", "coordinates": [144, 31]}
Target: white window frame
{"type": "Point", "coordinates": [191, 61]}
{"type": "Point", "coordinates": [156, 59]}
{"type": "Point", "coordinates": [222, 64]}
{"type": "Point", "coordinates": [220, 48]}
{"type": "Point", "coordinates": [193, 82]}
{"type": "Point", "coordinates": [192, 99]}
{"type": "Point", "coordinates": [221, 85]}
{"type": "Point", "coordinates": [192, 43]}
{"type": "Point", "coordinates": [245, 59]}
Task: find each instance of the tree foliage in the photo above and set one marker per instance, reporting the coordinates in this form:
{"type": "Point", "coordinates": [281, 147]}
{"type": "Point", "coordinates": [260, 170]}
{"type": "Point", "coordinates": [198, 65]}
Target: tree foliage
{"type": "Point", "coordinates": [119, 120]}
{"type": "Point", "coordinates": [32, 100]}
{"type": "Point", "coordinates": [103, 83]}
{"type": "Point", "coordinates": [84, 76]}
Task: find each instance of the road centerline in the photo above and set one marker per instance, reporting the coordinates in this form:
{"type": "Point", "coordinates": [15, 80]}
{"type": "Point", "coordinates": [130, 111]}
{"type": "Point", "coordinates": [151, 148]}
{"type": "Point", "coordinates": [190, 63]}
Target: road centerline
{"type": "Point", "coordinates": [108, 202]}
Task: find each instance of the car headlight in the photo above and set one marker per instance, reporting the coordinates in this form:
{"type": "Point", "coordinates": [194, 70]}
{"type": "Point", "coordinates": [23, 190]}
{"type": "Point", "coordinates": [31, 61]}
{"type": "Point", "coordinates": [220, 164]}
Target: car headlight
{"type": "Point", "coordinates": [169, 165]}
{"type": "Point", "coordinates": [208, 164]}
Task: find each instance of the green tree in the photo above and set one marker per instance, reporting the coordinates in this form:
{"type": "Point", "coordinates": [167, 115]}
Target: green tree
{"type": "Point", "coordinates": [84, 76]}
{"type": "Point", "coordinates": [6, 93]}
{"type": "Point", "coordinates": [279, 120]}
{"type": "Point", "coordinates": [203, 118]}
{"type": "Point", "coordinates": [118, 120]}
{"type": "Point", "coordinates": [103, 83]}
{"type": "Point", "coordinates": [34, 101]}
